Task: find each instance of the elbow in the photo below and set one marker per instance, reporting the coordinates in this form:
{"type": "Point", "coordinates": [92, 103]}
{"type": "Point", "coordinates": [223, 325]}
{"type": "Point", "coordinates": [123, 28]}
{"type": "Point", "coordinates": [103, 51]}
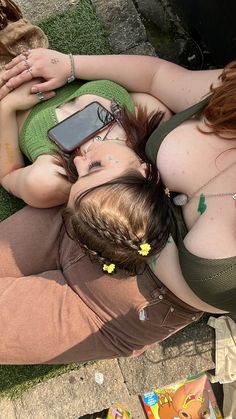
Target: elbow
{"type": "Point", "coordinates": [5, 173]}
{"type": "Point", "coordinates": [37, 188]}
{"type": "Point", "coordinates": [43, 193]}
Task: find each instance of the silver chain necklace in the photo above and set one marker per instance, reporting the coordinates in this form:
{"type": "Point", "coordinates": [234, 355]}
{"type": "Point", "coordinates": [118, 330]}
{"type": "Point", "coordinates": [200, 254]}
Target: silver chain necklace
{"type": "Point", "coordinates": [183, 199]}
{"type": "Point", "coordinates": [116, 112]}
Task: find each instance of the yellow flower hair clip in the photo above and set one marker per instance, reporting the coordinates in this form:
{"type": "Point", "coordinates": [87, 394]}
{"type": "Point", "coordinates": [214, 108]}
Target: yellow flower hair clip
{"type": "Point", "coordinates": [144, 249]}
{"type": "Point", "coordinates": [109, 268]}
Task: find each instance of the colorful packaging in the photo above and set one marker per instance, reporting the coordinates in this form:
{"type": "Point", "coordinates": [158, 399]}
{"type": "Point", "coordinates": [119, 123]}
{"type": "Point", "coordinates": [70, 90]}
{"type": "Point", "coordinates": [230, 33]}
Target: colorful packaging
{"type": "Point", "coordinates": [118, 412]}
{"type": "Point", "coordinates": [191, 398]}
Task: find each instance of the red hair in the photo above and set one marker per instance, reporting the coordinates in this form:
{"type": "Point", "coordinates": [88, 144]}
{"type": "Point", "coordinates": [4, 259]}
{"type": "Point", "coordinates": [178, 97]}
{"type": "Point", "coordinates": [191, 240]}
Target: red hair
{"type": "Point", "coordinates": [220, 113]}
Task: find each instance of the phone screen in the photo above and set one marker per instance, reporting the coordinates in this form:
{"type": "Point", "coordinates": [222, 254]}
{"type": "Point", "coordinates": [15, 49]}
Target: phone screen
{"type": "Point", "coordinates": [80, 127]}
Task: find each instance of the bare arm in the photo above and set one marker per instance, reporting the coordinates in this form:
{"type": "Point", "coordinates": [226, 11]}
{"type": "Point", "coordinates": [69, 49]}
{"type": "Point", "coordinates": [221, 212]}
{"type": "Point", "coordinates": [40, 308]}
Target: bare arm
{"type": "Point", "coordinates": [10, 157]}
{"type": "Point", "coordinates": [14, 177]}
{"type": "Point", "coordinates": [174, 85]}
{"type": "Point", "coordinates": [35, 184]}
{"type": "Point", "coordinates": [39, 184]}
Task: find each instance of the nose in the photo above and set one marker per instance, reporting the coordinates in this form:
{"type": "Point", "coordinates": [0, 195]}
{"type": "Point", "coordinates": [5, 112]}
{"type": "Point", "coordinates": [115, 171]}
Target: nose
{"type": "Point", "coordinates": [81, 164]}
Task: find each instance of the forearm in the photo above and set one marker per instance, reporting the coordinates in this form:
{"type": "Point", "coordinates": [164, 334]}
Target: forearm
{"type": "Point", "coordinates": [135, 72]}
{"type": "Point", "coordinates": [10, 155]}
{"type": "Point", "coordinates": [172, 84]}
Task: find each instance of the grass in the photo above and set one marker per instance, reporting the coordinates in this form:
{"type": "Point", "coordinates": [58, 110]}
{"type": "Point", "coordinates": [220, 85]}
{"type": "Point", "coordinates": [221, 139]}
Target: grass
{"type": "Point", "coordinates": [15, 379]}
{"type": "Point", "coordinates": [77, 31]}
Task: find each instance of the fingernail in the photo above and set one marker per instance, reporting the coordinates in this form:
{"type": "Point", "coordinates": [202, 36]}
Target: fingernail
{"type": "Point", "coordinates": [34, 90]}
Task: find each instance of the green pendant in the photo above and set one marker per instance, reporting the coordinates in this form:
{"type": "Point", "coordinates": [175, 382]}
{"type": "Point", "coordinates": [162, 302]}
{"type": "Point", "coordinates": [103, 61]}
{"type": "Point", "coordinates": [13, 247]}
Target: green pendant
{"type": "Point", "coordinates": [202, 206]}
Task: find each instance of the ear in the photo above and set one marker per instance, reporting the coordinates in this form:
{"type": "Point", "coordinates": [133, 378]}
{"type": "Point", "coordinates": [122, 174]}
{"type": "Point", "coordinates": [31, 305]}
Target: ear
{"type": "Point", "coordinates": [143, 168]}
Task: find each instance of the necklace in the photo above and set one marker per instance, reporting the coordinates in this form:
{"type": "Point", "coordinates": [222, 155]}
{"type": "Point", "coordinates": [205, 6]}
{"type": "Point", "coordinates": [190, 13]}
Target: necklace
{"type": "Point", "coordinates": [105, 138]}
{"type": "Point", "coordinates": [183, 199]}
{"type": "Point", "coordinates": [116, 112]}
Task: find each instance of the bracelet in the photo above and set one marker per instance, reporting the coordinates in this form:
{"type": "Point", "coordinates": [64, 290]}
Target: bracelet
{"type": "Point", "coordinates": [72, 69]}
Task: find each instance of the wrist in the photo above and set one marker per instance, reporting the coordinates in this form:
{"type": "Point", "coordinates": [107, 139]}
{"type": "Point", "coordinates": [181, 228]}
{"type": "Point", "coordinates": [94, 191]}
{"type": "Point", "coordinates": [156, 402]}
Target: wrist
{"type": "Point", "coordinates": [72, 75]}
{"type": "Point", "coordinates": [7, 107]}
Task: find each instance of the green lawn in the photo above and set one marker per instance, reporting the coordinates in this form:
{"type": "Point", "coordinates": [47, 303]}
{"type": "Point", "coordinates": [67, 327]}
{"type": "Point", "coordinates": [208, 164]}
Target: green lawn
{"type": "Point", "coordinates": [77, 31]}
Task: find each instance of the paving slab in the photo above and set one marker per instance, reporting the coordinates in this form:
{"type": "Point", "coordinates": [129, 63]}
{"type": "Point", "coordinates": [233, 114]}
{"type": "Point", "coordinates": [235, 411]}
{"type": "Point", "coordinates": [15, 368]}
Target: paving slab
{"type": "Point", "coordinates": [92, 388]}
{"type": "Point", "coordinates": [122, 22]}
{"type": "Point", "coordinates": [39, 10]}
{"type": "Point", "coordinates": [7, 409]}
{"type": "Point", "coordinates": [144, 48]}
{"type": "Point", "coordinates": [184, 354]}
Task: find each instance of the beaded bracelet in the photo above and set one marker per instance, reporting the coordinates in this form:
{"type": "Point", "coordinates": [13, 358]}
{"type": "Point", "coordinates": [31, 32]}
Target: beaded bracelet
{"type": "Point", "coordinates": [72, 69]}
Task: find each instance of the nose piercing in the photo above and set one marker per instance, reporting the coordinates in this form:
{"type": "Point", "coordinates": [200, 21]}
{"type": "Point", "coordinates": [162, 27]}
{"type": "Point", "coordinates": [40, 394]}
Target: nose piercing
{"type": "Point", "coordinates": [98, 138]}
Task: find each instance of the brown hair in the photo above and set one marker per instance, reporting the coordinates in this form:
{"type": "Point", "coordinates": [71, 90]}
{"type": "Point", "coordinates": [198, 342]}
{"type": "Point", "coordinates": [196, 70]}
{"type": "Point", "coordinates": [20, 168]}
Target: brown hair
{"type": "Point", "coordinates": [138, 128]}
{"type": "Point", "coordinates": [111, 221]}
{"type": "Point", "coordinates": [220, 113]}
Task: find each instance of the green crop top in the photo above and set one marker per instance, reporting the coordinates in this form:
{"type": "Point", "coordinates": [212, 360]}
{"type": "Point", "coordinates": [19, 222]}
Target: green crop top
{"type": "Point", "coordinates": [212, 280]}
{"type": "Point", "coordinates": [33, 139]}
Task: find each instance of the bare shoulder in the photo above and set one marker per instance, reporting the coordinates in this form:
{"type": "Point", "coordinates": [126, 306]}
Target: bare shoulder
{"type": "Point", "coordinates": [179, 87]}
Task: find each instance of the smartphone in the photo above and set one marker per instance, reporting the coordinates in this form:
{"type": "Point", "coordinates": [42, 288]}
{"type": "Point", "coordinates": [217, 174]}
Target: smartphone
{"type": "Point", "coordinates": [80, 127]}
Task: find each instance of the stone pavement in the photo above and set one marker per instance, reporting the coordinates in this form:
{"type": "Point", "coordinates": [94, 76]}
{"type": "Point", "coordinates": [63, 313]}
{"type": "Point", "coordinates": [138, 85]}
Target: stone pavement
{"type": "Point", "coordinates": [188, 352]}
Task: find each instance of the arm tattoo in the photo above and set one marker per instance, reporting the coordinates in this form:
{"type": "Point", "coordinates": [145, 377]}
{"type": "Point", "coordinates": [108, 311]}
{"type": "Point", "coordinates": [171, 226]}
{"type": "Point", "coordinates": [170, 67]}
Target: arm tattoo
{"type": "Point", "coordinates": [54, 60]}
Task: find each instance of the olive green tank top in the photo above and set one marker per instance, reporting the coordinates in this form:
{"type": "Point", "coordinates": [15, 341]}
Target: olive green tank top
{"type": "Point", "coordinates": [212, 280]}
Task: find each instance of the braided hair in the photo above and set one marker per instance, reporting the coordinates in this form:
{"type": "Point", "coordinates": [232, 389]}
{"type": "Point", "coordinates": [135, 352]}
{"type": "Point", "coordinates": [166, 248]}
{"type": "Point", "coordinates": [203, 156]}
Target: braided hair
{"type": "Point", "coordinates": [111, 221]}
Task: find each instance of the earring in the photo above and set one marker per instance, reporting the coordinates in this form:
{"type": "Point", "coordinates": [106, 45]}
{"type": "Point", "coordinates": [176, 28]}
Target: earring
{"type": "Point", "coordinates": [167, 192]}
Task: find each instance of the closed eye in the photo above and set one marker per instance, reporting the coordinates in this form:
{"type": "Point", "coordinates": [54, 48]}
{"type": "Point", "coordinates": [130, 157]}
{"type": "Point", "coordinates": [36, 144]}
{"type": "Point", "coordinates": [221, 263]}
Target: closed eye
{"type": "Point", "coordinates": [95, 163]}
